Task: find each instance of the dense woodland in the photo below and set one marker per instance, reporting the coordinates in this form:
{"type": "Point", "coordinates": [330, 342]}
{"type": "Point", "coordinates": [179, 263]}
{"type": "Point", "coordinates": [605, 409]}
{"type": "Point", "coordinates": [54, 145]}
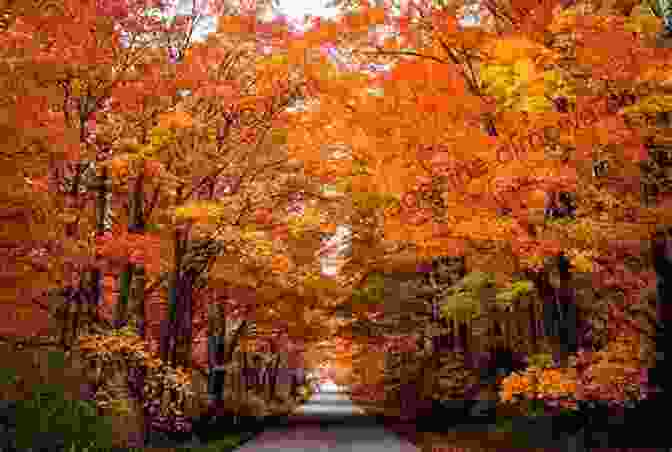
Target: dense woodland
{"type": "Point", "coordinates": [166, 204]}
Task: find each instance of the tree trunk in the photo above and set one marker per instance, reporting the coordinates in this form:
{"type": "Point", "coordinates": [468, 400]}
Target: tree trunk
{"type": "Point", "coordinates": [294, 385]}
{"type": "Point", "coordinates": [183, 320]}
{"type": "Point", "coordinates": [567, 308]}
{"type": "Point", "coordinates": [548, 312]}
{"type": "Point", "coordinates": [121, 308]}
{"type": "Point", "coordinates": [136, 224]}
{"type": "Point", "coordinates": [216, 345]}
{"type": "Point", "coordinates": [533, 328]}
{"type": "Point", "coordinates": [103, 213]}
{"type": "Point", "coordinates": [274, 378]}
{"type": "Point", "coordinates": [136, 300]}
{"type": "Point", "coordinates": [662, 259]}
{"type": "Point", "coordinates": [171, 323]}
{"type": "Point", "coordinates": [246, 372]}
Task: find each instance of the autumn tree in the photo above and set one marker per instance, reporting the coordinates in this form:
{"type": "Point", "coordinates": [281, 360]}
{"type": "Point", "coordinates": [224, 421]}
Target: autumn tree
{"type": "Point", "coordinates": [540, 111]}
{"type": "Point", "coordinates": [175, 164]}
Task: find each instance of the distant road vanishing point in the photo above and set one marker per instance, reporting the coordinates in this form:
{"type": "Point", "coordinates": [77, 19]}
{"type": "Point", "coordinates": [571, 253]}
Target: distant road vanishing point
{"type": "Point", "coordinates": [328, 422]}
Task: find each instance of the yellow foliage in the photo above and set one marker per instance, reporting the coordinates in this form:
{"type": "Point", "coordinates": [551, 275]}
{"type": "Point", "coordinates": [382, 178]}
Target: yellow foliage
{"type": "Point", "coordinates": [159, 136]}
{"type": "Point", "coordinates": [650, 104]}
{"type": "Point", "coordinates": [524, 69]}
{"type": "Point", "coordinates": [582, 261]}
{"type": "Point", "coordinates": [198, 211]}
{"type": "Point", "coordinates": [644, 23]}
{"type": "Point", "coordinates": [76, 87]}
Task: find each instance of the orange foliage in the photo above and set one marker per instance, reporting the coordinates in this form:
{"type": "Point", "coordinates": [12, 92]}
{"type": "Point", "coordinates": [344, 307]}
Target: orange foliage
{"type": "Point", "coordinates": [612, 375]}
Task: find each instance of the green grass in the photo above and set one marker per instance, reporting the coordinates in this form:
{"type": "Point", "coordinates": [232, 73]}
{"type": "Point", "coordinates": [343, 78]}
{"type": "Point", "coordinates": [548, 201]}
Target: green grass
{"type": "Point", "coordinates": [227, 443]}
{"type": "Point", "coordinates": [504, 424]}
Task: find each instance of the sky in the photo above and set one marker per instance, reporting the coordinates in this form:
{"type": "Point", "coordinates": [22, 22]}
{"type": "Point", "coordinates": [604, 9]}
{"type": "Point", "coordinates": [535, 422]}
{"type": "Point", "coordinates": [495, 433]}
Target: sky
{"type": "Point", "coordinates": [295, 10]}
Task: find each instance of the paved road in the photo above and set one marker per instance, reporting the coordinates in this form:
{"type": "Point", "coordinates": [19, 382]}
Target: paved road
{"type": "Point", "coordinates": [328, 422]}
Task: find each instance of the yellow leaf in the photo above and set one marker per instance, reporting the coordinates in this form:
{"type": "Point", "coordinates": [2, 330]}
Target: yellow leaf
{"type": "Point", "coordinates": [582, 263]}
{"type": "Point", "coordinates": [524, 69]}
{"type": "Point", "coordinates": [536, 104]}
{"type": "Point", "coordinates": [76, 87]}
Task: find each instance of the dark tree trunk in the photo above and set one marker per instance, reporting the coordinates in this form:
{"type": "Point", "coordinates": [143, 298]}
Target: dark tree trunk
{"type": "Point", "coordinates": [662, 260]}
{"type": "Point", "coordinates": [567, 331]}
{"type": "Point", "coordinates": [273, 378]}
{"type": "Point", "coordinates": [183, 320]}
{"type": "Point", "coordinates": [168, 352]}
{"type": "Point", "coordinates": [216, 353]}
{"type": "Point", "coordinates": [246, 372]}
{"type": "Point", "coordinates": [216, 373]}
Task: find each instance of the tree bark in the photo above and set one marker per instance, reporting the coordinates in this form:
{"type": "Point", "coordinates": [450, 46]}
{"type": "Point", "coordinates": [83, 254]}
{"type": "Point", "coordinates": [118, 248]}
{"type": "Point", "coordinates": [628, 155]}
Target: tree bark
{"type": "Point", "coordinates": [662, 260]}
{"type": "Point", "coordinates": [274, 377]}
{"type": "Point", "coordinates": [121, 308]}
{"type": "Point", "coordinates": [171, 323]}
{"type": "Point", "coordinates": [216, 345]}
{"type": "Point", "coordinates": [103, 211]}
{"type": "Point", "coordinates": [567, 334]}
{"type": "Point", "coordinates": [136, 289]}
{"type": "Point", "coordinates": [183, 320]}
{"type": "Point", "coordinates": [246, 372]}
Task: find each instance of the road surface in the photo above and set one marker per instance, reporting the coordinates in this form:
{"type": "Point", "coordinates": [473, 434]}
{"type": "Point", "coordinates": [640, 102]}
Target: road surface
{"type": "Point", "coordinates": [328, 422]}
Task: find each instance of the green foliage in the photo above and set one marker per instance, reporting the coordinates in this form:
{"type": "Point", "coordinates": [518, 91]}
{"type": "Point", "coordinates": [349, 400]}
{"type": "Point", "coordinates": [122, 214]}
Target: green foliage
{"type": "Point", "coordinates": [152, 227]}
{"type": "Point", "coordinates": [129, 330]}
{"type": "Point", "coordinates": [504, 424]}
{"type": "Point", "coordinates": [560, 221]}
{"type": "Point", "coordinates": [74, 421]}
{"type": "Point", "coordinates": [541, 360]}
{"type": "Point", "coordinates": [462, 301]}
{"type": "Point", "coordinates": [371, 291]}
{"type": "Point", "coordinates": [475, 281]}
{"type": "Point", "coordinates": [228, 442]}
{"type": "Point", "coordinates": [460, 306]}
{"type": "Point", "coordinates": [514, 292]}
{"type": "Point", "coordinates": [7, 376]}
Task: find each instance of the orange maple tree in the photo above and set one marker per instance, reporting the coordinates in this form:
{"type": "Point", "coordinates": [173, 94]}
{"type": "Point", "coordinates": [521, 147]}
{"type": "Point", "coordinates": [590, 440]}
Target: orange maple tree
{"type": "Point", "coordinates": [478, 133]}
{"type": "Point", "coordinates": [208, 167]}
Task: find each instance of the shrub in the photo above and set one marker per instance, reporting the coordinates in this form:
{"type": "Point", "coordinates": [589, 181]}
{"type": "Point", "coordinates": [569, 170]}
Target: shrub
{"type": "Point", "coordinates": [44, 417]}
{"type": "Point", "coordinates": [612, 375]}
{"type": "Point", "coordinates": [49, 418]}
